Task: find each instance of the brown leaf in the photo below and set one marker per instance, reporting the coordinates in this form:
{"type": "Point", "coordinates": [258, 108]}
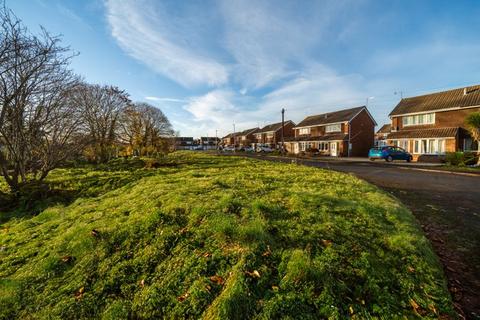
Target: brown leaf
{"type": "Point", "coordinates": [275, 288]}
{"type": "Point", "coordinates": [67, 259]}
{"type": "Point", "coordinates": [183, 297]}
{"type": "Point", "coordinates": [327, 243]}
{"type": "Point", "coordinates": [414, 305]}
{"type": "Point", "coordinates": [79, 293]}
{"type": "Point", "coordinates": [207, 255]}
{"type": "Point", "coordinates": [267, 252]}
{"type": "Point", "coordinates": [410, 269]}
{"type": "Point", "coordinates": [253, 274]}
{"type": "Point", "coordinates": [217, 279]}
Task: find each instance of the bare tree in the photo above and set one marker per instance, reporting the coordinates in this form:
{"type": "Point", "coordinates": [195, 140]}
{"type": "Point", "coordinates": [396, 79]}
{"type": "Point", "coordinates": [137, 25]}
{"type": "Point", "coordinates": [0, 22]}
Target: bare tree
{"type": "Point", "coordinates": [101, 107]}
{"type": "Point", "coordinates": [145, 129]}
{"type": "Point", "coordinates": [36, 120]}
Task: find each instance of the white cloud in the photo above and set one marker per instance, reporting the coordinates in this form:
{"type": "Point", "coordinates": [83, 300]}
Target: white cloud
{"type": "Point", "coordinates": [159, 99]}
{"type": "Point", "coordinates": [137, 27]}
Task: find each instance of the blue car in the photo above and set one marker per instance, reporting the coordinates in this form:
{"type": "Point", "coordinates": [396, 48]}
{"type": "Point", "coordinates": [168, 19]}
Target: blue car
{"type": "Point", "coordinates": [389, 153]}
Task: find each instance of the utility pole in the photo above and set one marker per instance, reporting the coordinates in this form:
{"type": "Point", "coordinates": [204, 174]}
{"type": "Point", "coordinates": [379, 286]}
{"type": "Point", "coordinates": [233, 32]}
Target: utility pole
{"type": "Point", "coordinates": [283, 126]}
{"type": "Point", "coordinates": [216, 139]}
{"type": "Point", "coordinates": [234, 142]}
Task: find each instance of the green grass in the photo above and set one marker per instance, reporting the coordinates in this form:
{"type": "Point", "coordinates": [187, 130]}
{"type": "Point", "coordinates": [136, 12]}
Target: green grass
{"type": "Point", "coordinates": [216, 237]}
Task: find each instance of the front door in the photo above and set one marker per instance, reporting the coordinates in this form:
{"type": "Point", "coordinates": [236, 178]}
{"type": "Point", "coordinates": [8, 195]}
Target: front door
{"type": "Point", "coordinates": [333, 149]}
{"type": "Point", "coordinates": [295, 148]}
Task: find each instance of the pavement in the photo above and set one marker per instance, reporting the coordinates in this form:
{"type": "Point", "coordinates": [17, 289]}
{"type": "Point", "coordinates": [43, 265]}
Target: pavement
{"type": "Point", "coordinates": [446, 205]}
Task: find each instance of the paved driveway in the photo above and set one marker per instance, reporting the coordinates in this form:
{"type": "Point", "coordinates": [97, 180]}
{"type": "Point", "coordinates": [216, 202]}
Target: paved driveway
{"type": "Point", "coordinates": [447, 206]}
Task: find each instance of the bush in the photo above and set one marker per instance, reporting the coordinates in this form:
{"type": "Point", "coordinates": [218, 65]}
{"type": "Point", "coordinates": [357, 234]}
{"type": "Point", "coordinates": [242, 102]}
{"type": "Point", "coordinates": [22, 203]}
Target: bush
{"type": "Point", "coordinates": [461, 158]}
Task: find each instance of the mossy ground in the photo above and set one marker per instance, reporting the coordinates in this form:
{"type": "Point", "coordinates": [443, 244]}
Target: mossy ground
{"type": "Point", "coordinates": [216, 237]}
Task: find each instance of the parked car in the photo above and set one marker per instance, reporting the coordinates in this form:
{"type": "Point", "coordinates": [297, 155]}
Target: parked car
{"type": "Point", "coordinates": [389, 153]}
{"type": "Point", "coordinates": [197, 148]}
{"type": "Point", "coordinates": [264, 149]}
{"type": "Point", "coordinates": [247, 149]}
{"type": "Point", "coordinates": [229, 149]}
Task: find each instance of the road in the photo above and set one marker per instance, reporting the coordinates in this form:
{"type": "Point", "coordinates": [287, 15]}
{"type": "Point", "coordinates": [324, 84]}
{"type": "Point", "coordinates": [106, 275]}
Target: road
{"type": "Point", "coordinates": [447, 206]}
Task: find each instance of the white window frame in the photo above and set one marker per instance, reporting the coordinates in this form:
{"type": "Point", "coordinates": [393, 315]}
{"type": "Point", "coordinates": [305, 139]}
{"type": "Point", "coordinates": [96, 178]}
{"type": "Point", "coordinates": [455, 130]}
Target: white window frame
{"type": "Point", "coordinates": [337, 127]}
{"type": "Point", "coordinates": [418, 119]}
{"type": "Point", "coordinates": [429, 146]}
{"type": "Point", "coordinates": [302, 146]}
{"type": "Point", "coordinates": [303, 131]}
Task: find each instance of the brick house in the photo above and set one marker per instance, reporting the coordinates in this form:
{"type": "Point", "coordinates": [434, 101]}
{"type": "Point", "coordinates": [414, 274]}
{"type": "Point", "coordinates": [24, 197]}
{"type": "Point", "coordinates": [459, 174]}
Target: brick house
{"type": "Point", "coordinates": [271, 134]}
{"type": "Point", "coordinates": [227, 140]}
{"type": "Point", "coordinates": [184, 143]}
{"type": "Point", "coordinates": [245, 138]}
{"type": "Point", "coordinates": [430, 125]}
{"type": "Point", "coordinates": [342, 133]}
{"type": "Point", "coordinates": [381, 135]}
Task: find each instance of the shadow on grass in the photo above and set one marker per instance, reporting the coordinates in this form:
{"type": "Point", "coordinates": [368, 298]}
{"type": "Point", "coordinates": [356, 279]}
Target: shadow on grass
{"type": "Point", "coordinates": [36, 197]}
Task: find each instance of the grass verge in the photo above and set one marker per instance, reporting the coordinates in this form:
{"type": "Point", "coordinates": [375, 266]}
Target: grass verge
{"type": "Point", "coordinates": [217, 237]}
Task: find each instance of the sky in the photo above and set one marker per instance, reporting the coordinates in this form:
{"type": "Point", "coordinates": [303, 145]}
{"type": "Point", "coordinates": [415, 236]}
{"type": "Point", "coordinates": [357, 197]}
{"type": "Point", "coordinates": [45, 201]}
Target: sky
{"type": "Point", "coordinates": [210, 64]}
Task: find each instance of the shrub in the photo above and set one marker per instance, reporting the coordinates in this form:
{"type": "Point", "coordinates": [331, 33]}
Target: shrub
{"type": "Point", "coordinates": [460, 158]}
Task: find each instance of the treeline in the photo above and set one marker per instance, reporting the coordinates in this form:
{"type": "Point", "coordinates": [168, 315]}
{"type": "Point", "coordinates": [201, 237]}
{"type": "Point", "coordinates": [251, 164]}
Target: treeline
{"type": "Point", "coordinates": [49, 115]}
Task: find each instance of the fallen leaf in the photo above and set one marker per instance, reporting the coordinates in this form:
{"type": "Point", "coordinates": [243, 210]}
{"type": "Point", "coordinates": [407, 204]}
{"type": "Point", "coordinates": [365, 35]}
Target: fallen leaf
{"type": "Point", "coordinates": [275, 288]}
{"type": "Point", "coordinates": [327, 243]}
{"type": "Point", "coordinates": [142, 283]}
{"type": "Point", "coordinates": [253, 274]}
{"type": "Point", "coordinates": [207, 255]}
{"type": "Point", "coordinates": [411, 269]}
{"type": "Point", "coordinates": [183, 297]}
{"type": "Point", "coordinates": [217, 279]}
{"type": "Point", "coordinates": [267, 253]}
{"type": "Point", "coordinates": [414, 305]}
{"type": "Point", "coordinates": [79, 293]}
{"type": "Point", "coordinates": [94, 233]}
{"type": "Point", "coordinates": [67, 259]}
{"type": "Point", "coordinates": [350, 309]}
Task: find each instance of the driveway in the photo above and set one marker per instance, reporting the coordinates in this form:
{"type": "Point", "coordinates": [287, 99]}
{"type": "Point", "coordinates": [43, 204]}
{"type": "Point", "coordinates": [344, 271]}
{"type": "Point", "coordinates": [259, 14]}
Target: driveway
{"type": "Point", "coordinates": [447, 206]}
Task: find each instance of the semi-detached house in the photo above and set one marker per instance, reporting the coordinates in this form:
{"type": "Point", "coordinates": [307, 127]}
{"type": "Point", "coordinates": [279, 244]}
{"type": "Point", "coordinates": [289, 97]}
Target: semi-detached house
{"type": "Point", "coordinates": [348, 132]}
{"type": "Point", "coordinates": [430, 125]}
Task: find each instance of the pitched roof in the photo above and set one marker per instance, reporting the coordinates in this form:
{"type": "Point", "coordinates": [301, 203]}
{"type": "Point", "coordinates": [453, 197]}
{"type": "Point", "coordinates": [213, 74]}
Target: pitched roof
{"type": "Point", "coordinates": [230, 135]}
{"type": "Point", "coordinates": [456, 98]}
{"type": "Point", "coordinates": [246, 132]}
{"type": "Point", "coordinates": [424, 133]}
{"type": "Point", "coordinates": [330, 117]}
{"type": "Point", "coordinates": [326, 137]}
{"type": "Point", "coordinates": [273, 127]}
{"type": "Point", "coordinates": [386, 128]}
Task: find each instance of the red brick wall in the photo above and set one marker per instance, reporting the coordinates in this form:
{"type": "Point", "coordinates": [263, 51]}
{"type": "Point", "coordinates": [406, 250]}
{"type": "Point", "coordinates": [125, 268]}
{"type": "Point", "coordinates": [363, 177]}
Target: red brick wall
{"type": "Point", "coordinates": [454, 118]}
{"type": "Point", "coordinates": [362, 133]}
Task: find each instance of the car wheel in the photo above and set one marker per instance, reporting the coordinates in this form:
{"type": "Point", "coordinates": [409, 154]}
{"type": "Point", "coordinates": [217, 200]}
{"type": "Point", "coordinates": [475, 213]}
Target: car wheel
{"type": "Point", "coordinates": [372, 159]}
{"type": "Point", "coordinates": [389, 159]}
{"type": "Point", "coordinates": [409, 159]}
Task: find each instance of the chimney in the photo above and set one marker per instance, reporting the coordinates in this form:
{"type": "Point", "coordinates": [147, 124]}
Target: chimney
{"type": "Point", "coordinates": [464, 91]}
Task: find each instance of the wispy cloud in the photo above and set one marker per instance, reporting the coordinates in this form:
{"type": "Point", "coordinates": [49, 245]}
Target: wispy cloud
{"type": "Point", "coordinates": [159, 99]}
{"type": "Point", "coordinates": [137, 27]}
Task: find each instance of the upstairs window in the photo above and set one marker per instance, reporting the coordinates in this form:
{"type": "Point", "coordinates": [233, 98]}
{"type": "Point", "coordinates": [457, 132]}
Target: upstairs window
{"type": "Point", "coordinates": [333, 128]}
{"type": "Point", "coordinates": [419, 119]}
{"type": "Point", "coordinates": [304, 131]}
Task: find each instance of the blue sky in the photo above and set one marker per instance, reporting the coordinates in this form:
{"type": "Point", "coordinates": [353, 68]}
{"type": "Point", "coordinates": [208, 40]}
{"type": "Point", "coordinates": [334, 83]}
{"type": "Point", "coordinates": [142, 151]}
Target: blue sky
{"type": "Point", "coordinates": [208, 64]}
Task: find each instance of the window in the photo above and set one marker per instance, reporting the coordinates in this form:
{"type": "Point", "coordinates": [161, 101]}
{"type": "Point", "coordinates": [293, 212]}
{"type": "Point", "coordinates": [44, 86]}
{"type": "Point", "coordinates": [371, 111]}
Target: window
{"type": "Point", "coordinates": [302, 146]}
{"type": "Point", "coordinates": [270, 135]}
{"type": "Point", "coordinates": [429, 146]}
{"type": "Point", "coordinates": [304, 131]}
{"type": "Point", "coordinates": [416, 148]}
{"type": "Point", "coordinates": [323, 146]}
{"type": "Point", "coordinates": [333, 128]}
{"type": "Point", "coordinates": [404, 145]}
{"type": "Point", "coordinates": [470, 145]}
{"type": "Point", "coordinates": [418, 119]}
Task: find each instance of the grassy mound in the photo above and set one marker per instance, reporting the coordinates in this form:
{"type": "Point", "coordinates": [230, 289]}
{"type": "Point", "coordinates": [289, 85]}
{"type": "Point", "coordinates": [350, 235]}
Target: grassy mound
{"type": "Point", "coordinates": [217, 237]}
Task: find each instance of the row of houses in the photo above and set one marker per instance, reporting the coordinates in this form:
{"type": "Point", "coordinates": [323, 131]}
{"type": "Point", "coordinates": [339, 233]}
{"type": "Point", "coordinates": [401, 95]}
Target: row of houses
{"type": "Point", "coordinates": [426, 126]}
{"type": "Point", "coordinates": [189, 143]}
